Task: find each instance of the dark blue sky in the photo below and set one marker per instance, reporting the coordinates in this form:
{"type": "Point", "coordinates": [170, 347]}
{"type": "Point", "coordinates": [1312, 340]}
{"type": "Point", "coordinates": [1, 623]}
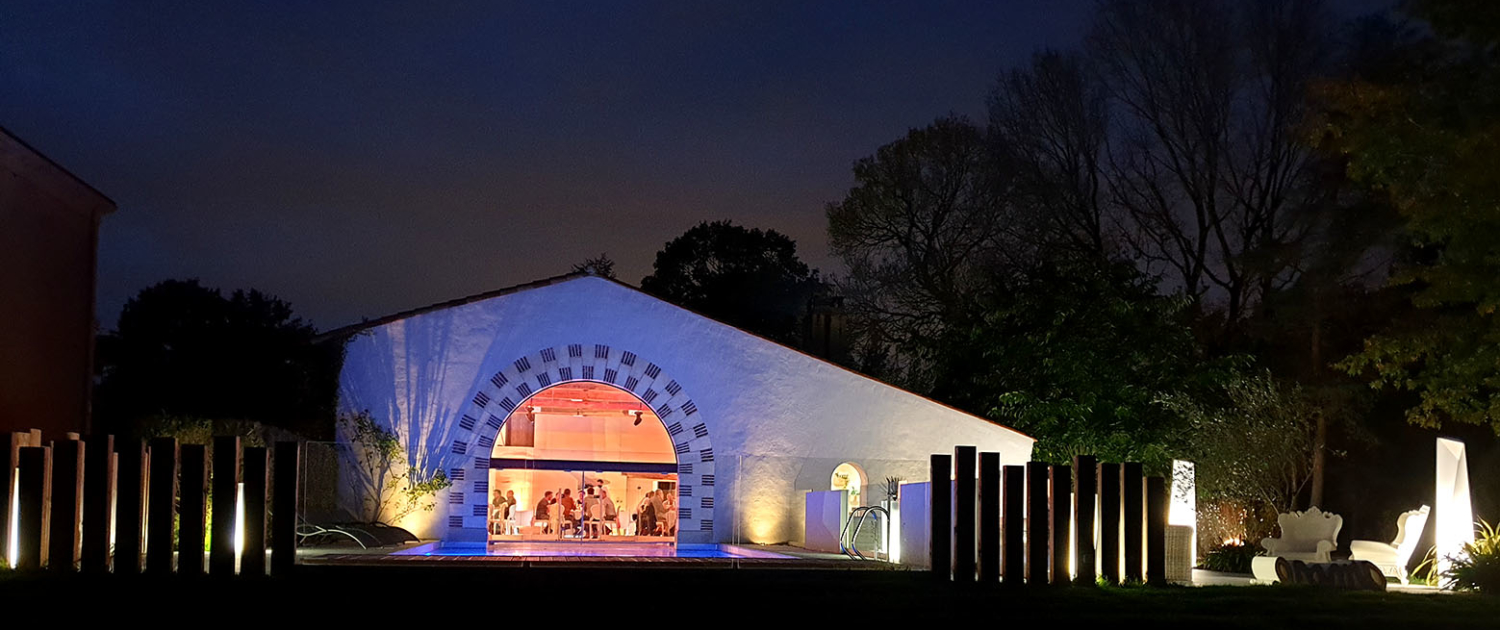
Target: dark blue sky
{"type": "Point", "coordinates": [358, 159]}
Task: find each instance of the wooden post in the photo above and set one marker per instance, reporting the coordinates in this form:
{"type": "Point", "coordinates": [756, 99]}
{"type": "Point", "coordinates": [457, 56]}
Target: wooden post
{"type": "Point", "coordinates": [1156, 531]}
{"type": "Point", "coordinates": [1132, 517]}
{"type": "Point", "coordinates": [963, 513]}
{"type": "Point", "coordinates": [1038, 537]}
{"type": "Point", "coordinates": [288, 460]}
{"type": "Point", "coordinates": [162, 510]}
{"type": "Point", "coordinates": [194, 506]}
{"type": "Point", "coordinates": [98, 503]}
{"type": "Point", "coordinates": [35, 488]}
{"type": "Point", "coordinates": [65, 539]}
{"type": "Point", "coordinates": [256, 475]}
{"type": "Point", "coordinates": [989, 517]}
{"type": "Point", "coordinates": [1109, 522]}
{"type": "Point", "coordinates": [1013, 526]}
{"type": "Point", "coordinates": [941, 539]}
{"type": "Point", "coordinates": [130, 505]}
{"type": "Point", "coordinates": [1085, 496]}
{"type": "Point", "coordinates": [226, 484]}
{"type": "Point", "coordinates": [1061, 524]}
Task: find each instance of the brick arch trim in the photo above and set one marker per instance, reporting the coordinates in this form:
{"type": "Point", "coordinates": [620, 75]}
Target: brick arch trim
{"type": "Point", "coordinates": [501, 393]}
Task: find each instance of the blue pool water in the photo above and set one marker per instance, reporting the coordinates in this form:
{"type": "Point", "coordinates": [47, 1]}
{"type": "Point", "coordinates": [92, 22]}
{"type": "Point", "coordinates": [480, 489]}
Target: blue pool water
{"type": "Point", "coordinates": [588, 550]}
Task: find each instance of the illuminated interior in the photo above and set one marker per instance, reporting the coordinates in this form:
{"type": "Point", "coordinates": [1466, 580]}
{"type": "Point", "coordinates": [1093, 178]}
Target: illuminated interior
{"type": "Point", "coordinates": [588, 444]}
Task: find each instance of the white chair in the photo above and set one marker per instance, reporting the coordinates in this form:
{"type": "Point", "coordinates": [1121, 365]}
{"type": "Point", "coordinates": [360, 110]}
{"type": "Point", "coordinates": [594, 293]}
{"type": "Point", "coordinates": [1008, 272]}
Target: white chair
{"type": "Point", "coordinates": [1308, 536]}
{"type": "Point", "coordinates": [595, 523]}
{"type": "Point", "coordinates": [1391, 558]}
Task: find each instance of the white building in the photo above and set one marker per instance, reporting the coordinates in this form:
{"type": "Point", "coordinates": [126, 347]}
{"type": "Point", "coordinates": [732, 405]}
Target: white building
{"type": "Point", "coordinates": [739, 428]}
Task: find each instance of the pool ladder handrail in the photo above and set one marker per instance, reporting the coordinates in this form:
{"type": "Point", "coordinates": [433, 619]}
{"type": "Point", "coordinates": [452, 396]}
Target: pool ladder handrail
{"type": "Point", "coordinates": [847, 538]}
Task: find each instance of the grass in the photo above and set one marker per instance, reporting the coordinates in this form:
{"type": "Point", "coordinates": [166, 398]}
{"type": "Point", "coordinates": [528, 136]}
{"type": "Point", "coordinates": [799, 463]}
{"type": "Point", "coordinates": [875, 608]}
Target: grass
{"type": "Point", "coordinates": [482, 597]}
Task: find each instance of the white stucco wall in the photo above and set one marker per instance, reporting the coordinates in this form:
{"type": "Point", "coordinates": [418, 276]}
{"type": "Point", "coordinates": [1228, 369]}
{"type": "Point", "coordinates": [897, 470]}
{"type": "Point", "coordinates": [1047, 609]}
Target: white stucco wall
{"type": "Point", "coordinates": [779, 421]}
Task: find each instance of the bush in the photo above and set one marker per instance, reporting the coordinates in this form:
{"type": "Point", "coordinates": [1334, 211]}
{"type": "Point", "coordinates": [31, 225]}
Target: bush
{"type": "Point", "coordinates": [1478, 568]}
{"type": "Point", "coordinates": [1232, 556]}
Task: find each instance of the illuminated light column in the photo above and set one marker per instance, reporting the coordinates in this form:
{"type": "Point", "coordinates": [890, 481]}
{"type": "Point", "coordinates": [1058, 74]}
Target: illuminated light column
{"type": "Point", "coordinates": [9, 497]}
{"type": "Point", "coordinates": [1455, 514]}
{"type": "Point", "coordinates": [1184, 510]}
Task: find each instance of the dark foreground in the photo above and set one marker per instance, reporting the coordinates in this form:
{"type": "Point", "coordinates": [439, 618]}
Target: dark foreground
{"type": "Point", "coordinates": [483, 598]}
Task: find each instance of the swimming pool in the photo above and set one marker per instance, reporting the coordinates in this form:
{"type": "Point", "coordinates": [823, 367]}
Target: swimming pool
{"type": "Point", "coordinates": [587, 550]}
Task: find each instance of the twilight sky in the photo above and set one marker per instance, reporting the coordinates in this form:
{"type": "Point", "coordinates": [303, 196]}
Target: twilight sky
{"type": "Point", "coordinates": [360, 158]}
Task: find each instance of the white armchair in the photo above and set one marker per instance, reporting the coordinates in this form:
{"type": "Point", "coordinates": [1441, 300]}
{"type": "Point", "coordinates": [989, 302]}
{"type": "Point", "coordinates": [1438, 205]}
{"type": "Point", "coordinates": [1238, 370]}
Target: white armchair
{"type": "Point", "coordinates": [1307, 536]}
{"type": "Point", "coordinates": [1392, 557]}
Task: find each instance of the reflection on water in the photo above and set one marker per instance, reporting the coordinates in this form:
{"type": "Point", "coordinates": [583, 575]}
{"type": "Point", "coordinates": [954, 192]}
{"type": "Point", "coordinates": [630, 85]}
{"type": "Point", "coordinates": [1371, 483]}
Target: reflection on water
{"type": "Point", "coordinates": [590, 550]}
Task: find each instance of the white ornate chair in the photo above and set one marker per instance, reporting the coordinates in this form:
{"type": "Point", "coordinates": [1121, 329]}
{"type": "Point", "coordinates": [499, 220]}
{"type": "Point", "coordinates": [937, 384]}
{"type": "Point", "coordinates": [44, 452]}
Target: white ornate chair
{"type": "Point", "coordinates": [1392, 557]}
{"type": "Point", "coordinates": [1308, 536]}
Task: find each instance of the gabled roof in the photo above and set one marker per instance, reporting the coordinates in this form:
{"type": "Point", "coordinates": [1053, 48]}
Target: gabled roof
{"type": "Point", "coordinates": [351, 329]}
{"type": "Point", "coordinates": [347, 331]}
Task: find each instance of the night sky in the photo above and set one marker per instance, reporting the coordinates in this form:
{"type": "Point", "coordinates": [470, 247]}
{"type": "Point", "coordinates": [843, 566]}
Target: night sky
{"type": "Point", "coordinates": [358, 160]}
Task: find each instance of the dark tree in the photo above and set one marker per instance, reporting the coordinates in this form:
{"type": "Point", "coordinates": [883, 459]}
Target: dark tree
{"type": "Point", "coordinates": [1080, 354]}
{"type": "Point", "coordinates": [601, 265]}
{"type": "Point", "coordinates": [744, 277]}
{"type": "Point", "coordinates": [922, 232]}
{"type": "Point", "coordinates": [184, 351]}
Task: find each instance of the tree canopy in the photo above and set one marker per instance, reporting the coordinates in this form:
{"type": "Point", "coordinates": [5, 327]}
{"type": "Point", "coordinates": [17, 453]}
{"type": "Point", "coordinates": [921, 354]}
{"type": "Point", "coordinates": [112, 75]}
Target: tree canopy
{"type": "Point", "coordinates": [182, 350]}
{"type": "Point", "coordinates": [1424, 135]}
{"type": "Point", "coordinates": [745, 277]}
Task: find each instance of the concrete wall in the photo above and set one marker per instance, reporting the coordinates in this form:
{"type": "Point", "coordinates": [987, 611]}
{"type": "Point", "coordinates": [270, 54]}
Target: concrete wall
{"type": "Point", "coordinates": [49, 222]}
{"type": "Point", "coordinates": [758, 423]}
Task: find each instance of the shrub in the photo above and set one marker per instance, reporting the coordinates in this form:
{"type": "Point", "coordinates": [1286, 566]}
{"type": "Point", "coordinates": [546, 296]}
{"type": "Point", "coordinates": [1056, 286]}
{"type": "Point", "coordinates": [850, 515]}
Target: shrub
{"type": "Point", "coordinates": [1478, 568]}
{"type": "Point", "coordinates": [1232, 556]}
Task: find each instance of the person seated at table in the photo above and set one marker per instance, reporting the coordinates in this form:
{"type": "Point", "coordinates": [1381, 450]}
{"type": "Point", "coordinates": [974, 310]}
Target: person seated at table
{"type": "Point", "coordinates": [611, 514]}
{"type": "Point", "coordinates": [592, 514]}
{"type": "Point", "coordinates": [569, 510]}
{"type": "Point", "coordinates": [543, 512]}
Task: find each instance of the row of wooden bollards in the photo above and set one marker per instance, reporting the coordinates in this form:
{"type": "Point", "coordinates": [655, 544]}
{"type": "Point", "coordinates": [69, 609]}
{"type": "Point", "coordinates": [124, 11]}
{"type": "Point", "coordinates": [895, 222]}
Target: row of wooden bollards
{"type": "Point", "coordinates": [74, 496]}
{"type": "Point", "coordinates": [1025, 519]}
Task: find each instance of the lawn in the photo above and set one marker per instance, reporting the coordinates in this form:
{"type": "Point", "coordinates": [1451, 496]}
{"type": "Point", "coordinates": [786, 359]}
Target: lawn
{"type": "Point", "coordinates": [483, 598]}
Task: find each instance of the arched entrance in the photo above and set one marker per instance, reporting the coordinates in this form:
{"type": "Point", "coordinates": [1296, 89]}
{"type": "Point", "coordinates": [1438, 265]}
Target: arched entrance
{"type": "Point", "coordinates": [587, 462]}
{"type": "Point", "coordinates": [500, 395]}
{"type": "Point", "coordinates": [849, 478]}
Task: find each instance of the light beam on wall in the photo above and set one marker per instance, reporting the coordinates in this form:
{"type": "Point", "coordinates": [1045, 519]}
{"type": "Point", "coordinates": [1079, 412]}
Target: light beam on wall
{"type": "Point", "coordinates": [1455, 513]}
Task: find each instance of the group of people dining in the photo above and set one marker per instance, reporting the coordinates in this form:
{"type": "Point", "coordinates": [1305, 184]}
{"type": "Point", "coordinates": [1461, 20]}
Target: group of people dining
{"type": "Point", "coordinates": [590, 515]}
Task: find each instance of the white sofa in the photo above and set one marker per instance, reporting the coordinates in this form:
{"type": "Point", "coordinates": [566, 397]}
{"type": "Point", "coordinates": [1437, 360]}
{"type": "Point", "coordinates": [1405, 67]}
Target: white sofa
{"type": "Point", "coordinates": [1392, 557]}
{"type": "Point", "coordinates": [1308, 536]}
